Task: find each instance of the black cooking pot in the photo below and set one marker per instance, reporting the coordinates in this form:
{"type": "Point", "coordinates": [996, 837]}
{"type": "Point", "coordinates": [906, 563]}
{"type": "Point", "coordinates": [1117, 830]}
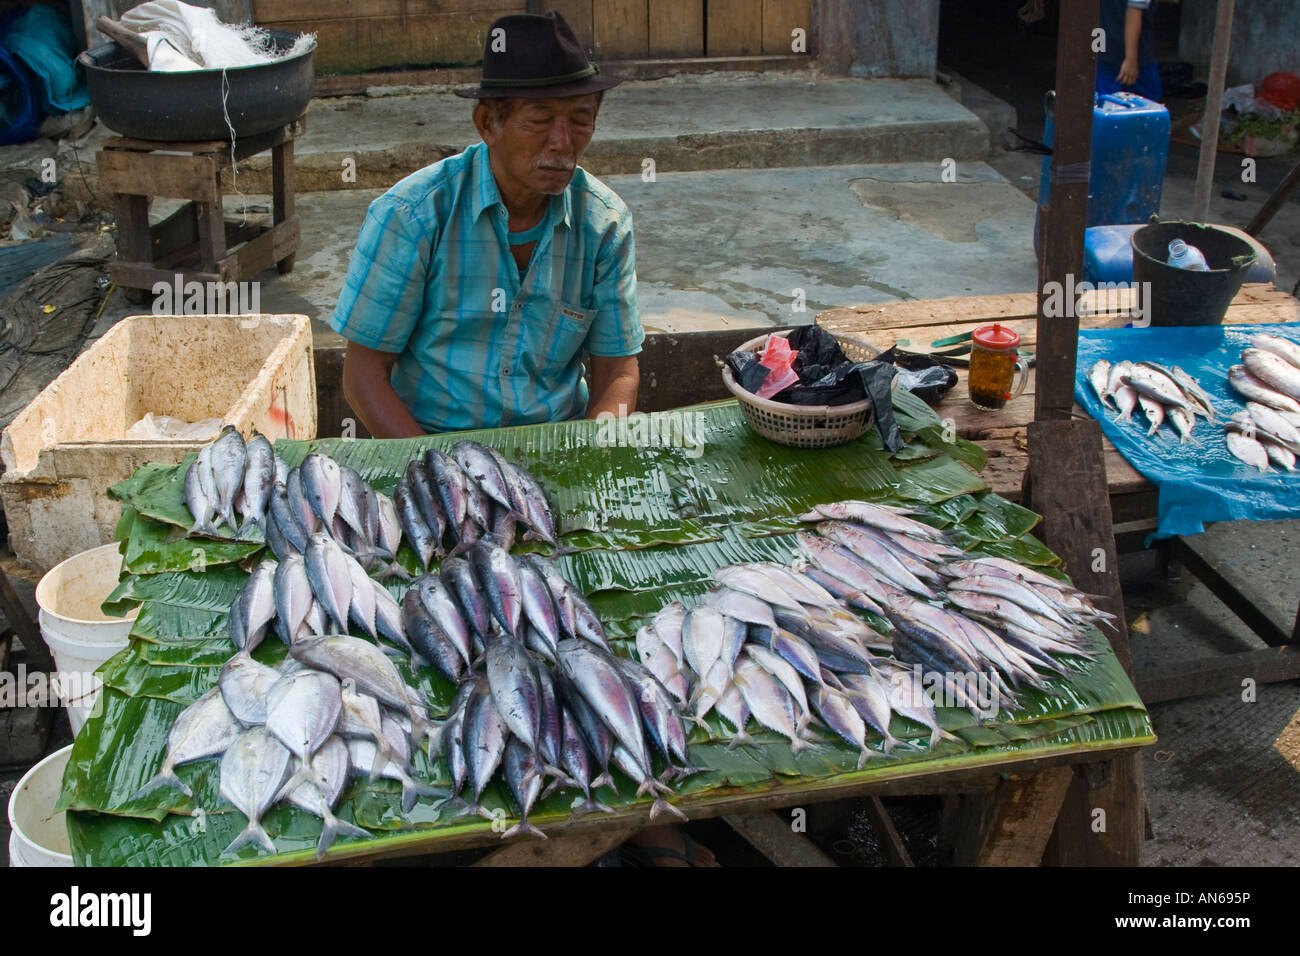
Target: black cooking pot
{"type": "Point", "coordinates": [183, 107]}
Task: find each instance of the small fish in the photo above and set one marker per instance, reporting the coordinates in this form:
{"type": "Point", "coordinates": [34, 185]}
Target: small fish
{"type": "Point", "coordinates": [368, 666]}
{"type": "Point", "coordinates": [1248, 450]}
{"type": "Point", "coordinates": [1279, 346]}
{"type": "Point", "coordinates": [319, 795]}
{"type": "Point", "coordinates": [423, 540]}
{"type": "Point", "coordinates": [769, 702]}
{"type": "Point", "coordinates": [203, 729]}
{"type": "Point", "coordinates": [1280, 456]}
{"type": "Point", "coordinates": [523, 777]}
{"type": "Point", "coordinates": [252, 772]}
{"type": "Point", "coordinates": [1193, 388]}
{"type": "Point", "coordinates": [1247, 383]}
{"type": "Point", "coordinates": [1154, 411]}
{"type": "Point", "coordinates": [244, 685]}
{"type": "Point", "coordinates": [302, 710]}
{"type": "Point", "coordinates": [202, 507]}
{"type": "Point", "coordinates": [1099, 378]}
{"type": "Point", "coordinates": [322, 486]}
{"type": "Point", "coordinates": [1183, 423]}
{"type": "Point", "coordinates": [259, 480]}
{"type": "Point", "coordinates": [228, 460]}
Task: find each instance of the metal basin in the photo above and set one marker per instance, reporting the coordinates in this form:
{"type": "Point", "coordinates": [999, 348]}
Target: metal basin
{"type": "Point", "coordinates": [184, 107]}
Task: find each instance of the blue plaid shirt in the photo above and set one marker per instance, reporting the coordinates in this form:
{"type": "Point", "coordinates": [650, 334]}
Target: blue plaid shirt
{"type": "Point", "coordinates": [478, 346]}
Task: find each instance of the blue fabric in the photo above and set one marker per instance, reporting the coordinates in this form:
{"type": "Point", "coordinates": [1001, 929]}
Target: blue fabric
{"type": "Point", "coordinates": [42, 38]}
{"type": "Point", "coordinates": [1200, 481]}
{"type": "Point", "coordinates": [1147, 84]}
{"type": "Point", "coordinates": [432, 280]}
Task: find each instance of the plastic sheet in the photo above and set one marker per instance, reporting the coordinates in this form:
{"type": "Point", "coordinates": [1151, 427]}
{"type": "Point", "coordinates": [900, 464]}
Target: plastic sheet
{"type": "Point", "coordinates": [1200, 481]}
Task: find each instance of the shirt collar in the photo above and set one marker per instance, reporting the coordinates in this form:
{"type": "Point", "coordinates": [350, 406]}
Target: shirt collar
{"type": "Point", "coordinates": [486, 194]}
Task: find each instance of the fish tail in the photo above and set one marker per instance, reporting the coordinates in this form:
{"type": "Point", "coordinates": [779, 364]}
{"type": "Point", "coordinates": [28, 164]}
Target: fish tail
{"type": "Point", "coordinates": [663, 806]}
{"type": "Point", "coordinates": [165, 778]}
{"type": "Point", "coordinates": [589, 806]}
{"type": "Point", "coordinates": [523, 826]}
{"type": "Point", "coordinates": [395, 570]}
{"type": "Point", "coordinates": [797, 743]}
{"type": "Point", "coordinates": [606, 779]}
{"type": "Point", "coordinates": [253, 833]}
{"type": "Point", "coordinates": [334, 828]}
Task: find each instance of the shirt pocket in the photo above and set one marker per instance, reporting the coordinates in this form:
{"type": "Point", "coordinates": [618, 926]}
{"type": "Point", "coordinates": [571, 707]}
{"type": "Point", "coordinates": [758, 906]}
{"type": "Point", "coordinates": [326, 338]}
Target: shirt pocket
{"type": "Point", "coordinates": [561, 343]}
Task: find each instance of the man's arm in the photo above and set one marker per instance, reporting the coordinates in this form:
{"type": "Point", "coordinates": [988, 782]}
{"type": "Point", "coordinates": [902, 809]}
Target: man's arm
{"type": "Point", "coordinates": [1128, 71]}
{"type": "Point", "coordinates": [368, 388]}
{"type": "Point", "coordinates": [614, 384]}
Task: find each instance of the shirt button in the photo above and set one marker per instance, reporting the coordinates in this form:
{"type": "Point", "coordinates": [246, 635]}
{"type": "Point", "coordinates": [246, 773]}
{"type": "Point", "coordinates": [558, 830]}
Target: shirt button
{"type": "Point", "coordinates": [506, 370]}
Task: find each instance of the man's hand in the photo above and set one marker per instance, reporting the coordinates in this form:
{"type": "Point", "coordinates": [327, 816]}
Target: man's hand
{"type": "Point", "coordinates": [614, 383]}
{"type": "Point", "coordinates": [1128, 71]}
{"type": "Point", "coordinates": [368, 388]}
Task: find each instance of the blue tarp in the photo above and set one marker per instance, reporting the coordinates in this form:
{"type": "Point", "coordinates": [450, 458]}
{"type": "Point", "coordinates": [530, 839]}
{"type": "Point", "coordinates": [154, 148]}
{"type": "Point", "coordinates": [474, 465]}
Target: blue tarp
{"type": "Point", "coordinates": [1199, 481]}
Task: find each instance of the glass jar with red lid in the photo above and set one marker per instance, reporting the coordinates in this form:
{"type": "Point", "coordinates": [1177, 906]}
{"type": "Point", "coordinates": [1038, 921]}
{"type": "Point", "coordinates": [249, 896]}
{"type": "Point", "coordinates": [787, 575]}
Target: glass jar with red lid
{"type": "Point", "coordinates": [994, 363]}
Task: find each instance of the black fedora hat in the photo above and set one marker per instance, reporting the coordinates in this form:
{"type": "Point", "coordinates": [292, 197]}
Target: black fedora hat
{"type": "Point", "coordinates": [536, 56]}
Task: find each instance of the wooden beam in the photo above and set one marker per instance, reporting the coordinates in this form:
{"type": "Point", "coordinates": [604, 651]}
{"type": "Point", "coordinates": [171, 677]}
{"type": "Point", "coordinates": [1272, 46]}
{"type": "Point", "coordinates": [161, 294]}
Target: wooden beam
{"type": "Point", "coordinates": [1233, 589]}
{"type": "Point", "coordinates": [38, 653]}
{"type": "Point", "coordinates": [772, 836]}
{"type": "Point", "coordinates": [1213, 108]}
{"type": "Point", "coordinates": [578, 849]}
{"type": "Point", "coordinates": [887, 833]}
{"type": "Point", "coordinates": [1011, 826]}
{"type": "Point", "coordinates": [1067, 210]}
{"type": "Point", "coordinates": [1222, 673]}
{"type": "Point", "coordinates": [1115, 835]}
{"type": "Point", "coordinates": [1275, 201]}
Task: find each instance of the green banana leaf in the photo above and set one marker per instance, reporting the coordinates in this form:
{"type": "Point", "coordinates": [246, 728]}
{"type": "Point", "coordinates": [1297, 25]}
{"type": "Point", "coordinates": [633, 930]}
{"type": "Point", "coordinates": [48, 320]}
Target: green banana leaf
{"type": "Point", "coordinates": [649, 520]}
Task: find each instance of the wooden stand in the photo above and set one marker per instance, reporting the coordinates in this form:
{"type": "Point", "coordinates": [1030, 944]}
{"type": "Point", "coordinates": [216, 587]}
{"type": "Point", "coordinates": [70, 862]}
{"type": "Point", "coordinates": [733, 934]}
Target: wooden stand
{"type": "Point", "coordinates": [196, 241]}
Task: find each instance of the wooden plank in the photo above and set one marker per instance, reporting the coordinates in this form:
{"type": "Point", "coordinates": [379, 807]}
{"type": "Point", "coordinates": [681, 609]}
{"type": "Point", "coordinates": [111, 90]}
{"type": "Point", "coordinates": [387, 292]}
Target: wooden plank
{"type": "Point", "coordinates": [159, 174]}
{"type": "Point", "coordinates": [734, 28]}
{"type": "Point", "coordinates": [576, 850]}
{"type": "Point", "coordinates": [772, 836]}
{"type": "Point", "coordinates": [780, 18]}
{"type": "Point", "coordinates": [177, 231]}
{"type": "Point", "coordinates": [261, 253]}
{"type": "Point", "coordinates": [1234, 589]}
{"type": "Point", "coordinates": [620, 28]}
{"type": "Point", "coordinates": [282, 194]}
{"type": "Point", "coordinates": [578, 14]}
{"type": "Point", "coordinates": [212, 234]}
{"type": "Point", "coordinates": [1223, 673]}
{"type": "Point", "coordinates": [1011, 826]}
{"type": "Point", "coordinates": [887, 833]}
{"type": "Point", "coordinates": [133, 228]}
{"type": "Point", "coordinates": [676, 27]}
{"type": "Point", "coordinates": [15, 614]}
{"type": "Point", "coordinates": [1275, 200]}
{"type": "Point", "coordinates": [1103, 819]}
{"type": "Point", "coordinates": [368, 43]}
{"type": "Point", "coordinates": [322, 11]}
{"type": "Point", "coordinates": [187, 256]}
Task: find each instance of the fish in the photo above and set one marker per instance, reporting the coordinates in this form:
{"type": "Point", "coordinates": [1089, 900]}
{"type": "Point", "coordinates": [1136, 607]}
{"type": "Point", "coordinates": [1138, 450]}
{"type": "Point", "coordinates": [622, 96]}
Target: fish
{"type": "Point", "coordinates": [253, 769]}
{"type": "Point", "coordinates": [388, 617]}
{"type": "Point", "coordinates": [1099, 378]}
{"type": "Point", "coordinates": [1248, 450]}
{"type": "Point", "coordinates": [259, 480]}
{"type": "Point", "coordinates": [428, 639]}
{"type": "Point", "coordinates": [299, 507]}
{"type": "Point", "coordinates": [1273, 370]}
{"type": "Point", "coordinates": [627, 762]}
{"type": "Point", "coordinates": [244, 684]}
{"type": "Point", "coordinates": [322, 486]}
{"type": "Point", "coordinates": [1271, 422]}
{"type": "Point", "coordinates": [1282, 457]}
{"type": "Point", "coordinates": [514, 687]}
{"type": "Point", "coordinates": [908, 699]}
{"type": "Point", "coordinates": [786, 673]}
{"type": "Point", "coordinates": [1155, 385]}
{"type": "Point", "coordinates": [839, 714]}
{"type": "Point", "coordinates": [1284, 348]}
{"type": "Point", "coordinates": [302, 710]}
{"type": "Point", "coordinates": [595, 735]}
{"type": "Point", "coordinates": [293, 595]}
{"type": "Point", "coordinates": [203, 729]}
{"type": "Point", "coordinates": [363, 754]}
{"type": "Point", "coordinates": [538, 604]}
{"type": "Point", "coordinates": [319, 795]}
{"type": "Point", "coordinates": [1246, 383]}
{"type": "Point", "coordinates": [447, 482]}
{"type": "Point", "coordinates": [499, 577]}
{"type": "Point", "coordinates": [1183, 424]}
{"type": "Point", "coordinates": [536, 512]}
{"type": "Point", "coordinates": [280, 522]}
{"type": "Point", "coordinates": [667, 623]}
{"type": "Point", "coordinates": [1192, 389]}
{"type": "Point", "coordinates": [425, 498]}
{"type": "Point", "coordinates": [331, 581]}
{"type": "Point", "coordinates": [478, 506]}
{"type": "Point", "coordinates": [864, 512]}
{"type": "Point", "coordinates": [202, 507]}
{"type": "Point", "coordinates": [595, 676]}
{"type": "Point", "coordinates": [459, 578]}
{"type": "Point", "coordinates": [769, 702]}
{"type": "Point", "coordinates": [363, 607]}
{"type": "Point", "coordinates": [750, 581]}
{"type": "Point", "coordinates": [867, 554]}
{"type": "Point", "coordinates": [451, 738]}
{"type": "Point", "coordinates": [1154, 411]}
{"type": "Point", "coordinates": [549, 731]}
{"type": "Point", "coordinates": [444, 613]}
{"type": "Point", "coordinates": [659, 714]}
{"type": "Point", "coordinates": [882, 555]}
{"type": "Point", "coordinates": [424, 541]}
{"type": "Point", "coordinates": [1014, 591]}
{"type": "Point", "coordinates": [388, 524]}
{"type": "Point", "coordinates": [480, 464]}
{"type": "Point", "coordinates": [871, 700]}
{"type": "Point", "coordinates": [361, 717]}
{"type": "Point", "coordinates": [523, 777]}
{"type": "Point", "coordinates": [371, 670]}
{"type": "Point", "coordinates": [352, 505]}
{"type": "Point", "coordinates": [577, 763]}
{"type": "Point", "coordinates": [655, 655]}
{"type": "Point", "coordinates": [586, 622]}
{"type": "Point", "coordinates": [256, 608]}
{"type": "Point", "coordinates": [485, 736]}
{"type": "Point", "coordinates": [703, 636]}
{"type": "Point", "coordinates": [228, 460]}
{"type": "Point", "coordinates": [731, 707]}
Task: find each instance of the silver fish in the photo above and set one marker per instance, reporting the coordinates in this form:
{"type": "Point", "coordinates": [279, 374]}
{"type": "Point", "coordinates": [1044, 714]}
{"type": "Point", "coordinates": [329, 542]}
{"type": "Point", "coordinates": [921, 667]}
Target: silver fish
{"type": "Point", "coordinates": [865, 512]}
{"type": "Point", "coordinates": [513, 683]}
{"type": "Point", "coordinates": [750, 581]}
{"type": "Point", "coordinates": [447, 482]}
{"type": "Point", "coordinates": [252, 772]}
{"type": "Point", "coordinates": [388, 617]}
{"type": "Point", "coordinates": [595, 675]}
{"type": "Point", "coordinates": [1155, 385]}
{"type": "Point", "coordinates": [203, 729]}
{"type": "Point", "coordinates": [374, 674]}
{"type": "Point", "coordinates": [1244, 381]}
{"type": "Point", "coordinates": [658, 712]}
{"type": "Point", "coordinates": [577, 763]}
{"type": "Point", "coordinates": [538, 604]}
{"type": "Point", "coordinates": [1154, 411]}
{"type": "Point", "coordinates": [202, 508]}
{"type": "Point", "coordinates": [299, 507]}
{"type": "Point", "coordinates": [331, 581]}
{"type": "Point", "coordinates": [362, 609]}
{"type": "Point", "coordinates": [445, 614]}
{"type": "Point", "coordinates": [1284, 348]}
{"type": "Point", "coordinates": [734, 709]}
{"type": "Point", "coordinates": [244, 685]}
{"type": "Point", "coordinates": [322, 486]}
{"type": "Point", "coordinates": [560, 591]}
{"type": "Point", "coordinates": [1280, 456]}
{"type": "Point", "coordinates": [1192, 388]}
{"type": "Point", "coordinates": [1183, 424]}
{"type": "Point", "coordinates": [458, 576]}
{"type": "Point", "coordinates": [1099, 378]}
{"type": "Point", "coordinates": [302, 710]}
{"type": "Point", "coordinates": [485, 736]}
{"type": "Point", "coordinates": [388, 524]}
{"type": "Point", "coordinates": [1272, 423]}
{"type": "Point", "coordinates": [256, 607]}
{"type": "Point", "coordinates": [362, 756]}
{"type": "Point", "coordinates": [769, 702]}
{"type": "Point", "coordinates": [1248, 450]}
{"type": "Point", "coordinates": [293, 595]}
{"type": "Point", "coordinates": [1273, 370]}
{"type": "Point", "coordinates": [537, 508]}
{"type": "Point", "coordinates": [655, 655]}
{"type": "Point", "coordinates": [353, 492]}
{"type": "Point", "coordinates": [499, 576]}
{"type": "Point", "coordinates": [479, 463]}
{"type": "Point", "coordinates": [786, 673]}
{"type": "Point", "coordinates": [524, 778]}
{"type": "Point", "coordinates": [627, 762]}
{"type": "Point", "coordinates": [259, 479]}
{"type": "Point", "coordinates": [703, 636]}
{"type": "Point", "coordinates": [361, 717]}
{"type": "Point", "coordinates": [839, 714]}
{"type": "Point", "coordinates": [423, 540]}
{"type": "Point", "coordinates": [871, 699]}
{"type": "Point", "coordinates": [319, 795]}
{"type": "Point", "coordinates": [228, 459]}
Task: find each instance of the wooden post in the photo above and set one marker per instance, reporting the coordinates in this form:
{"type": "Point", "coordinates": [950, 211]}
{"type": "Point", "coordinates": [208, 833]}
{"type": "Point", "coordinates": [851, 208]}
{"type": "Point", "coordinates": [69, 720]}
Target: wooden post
{"type": "Point", "coordinates": [1213, 107]}
{"type": "Point", "coordinates": [1274, 202]}
{"type": "Point", "coordinates": [1012, 825]}
{"type": "Point", "coordinates": [1067, 210]}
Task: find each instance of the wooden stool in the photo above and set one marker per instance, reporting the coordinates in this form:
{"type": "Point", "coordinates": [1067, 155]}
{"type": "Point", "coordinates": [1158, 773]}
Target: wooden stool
{"type": "Point", "coordinates": [196, 240]}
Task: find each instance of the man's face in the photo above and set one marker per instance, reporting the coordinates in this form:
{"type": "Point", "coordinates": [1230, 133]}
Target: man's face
{"type": "Point", "coordinates": [539, 145]}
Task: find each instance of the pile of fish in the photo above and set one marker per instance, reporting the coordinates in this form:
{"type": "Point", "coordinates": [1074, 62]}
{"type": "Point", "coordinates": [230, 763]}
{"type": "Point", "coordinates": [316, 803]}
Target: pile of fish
{"type": "Point", "coordinates": [471, 492]}
{"type": "Point", "coordinates": [230, 477]}
{"type": "Point", "coordinates": [778, 644]}
{"type": "Point", "coordinates": [336, 708]}
{"type": "Point", "coordinates": [1164, 395]}
{"type": "Point", "coordinates": [1269, 379]}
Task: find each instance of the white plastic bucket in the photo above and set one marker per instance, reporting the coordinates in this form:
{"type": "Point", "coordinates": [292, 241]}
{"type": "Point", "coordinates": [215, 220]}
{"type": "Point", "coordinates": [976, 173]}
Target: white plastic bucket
{"type": "Point", "coordinates": [79, 634]}
{"type": "Point", "coordinates": [39, 837]}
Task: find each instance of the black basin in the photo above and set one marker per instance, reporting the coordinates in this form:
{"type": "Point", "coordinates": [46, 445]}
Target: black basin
{"type": "Point", "coordinates": [183, 107]}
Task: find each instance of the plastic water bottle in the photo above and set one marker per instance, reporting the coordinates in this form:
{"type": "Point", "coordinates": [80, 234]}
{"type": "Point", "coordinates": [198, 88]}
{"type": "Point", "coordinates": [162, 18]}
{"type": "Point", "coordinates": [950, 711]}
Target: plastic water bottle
{"type": "Point", "coordinates": [1183, 256]}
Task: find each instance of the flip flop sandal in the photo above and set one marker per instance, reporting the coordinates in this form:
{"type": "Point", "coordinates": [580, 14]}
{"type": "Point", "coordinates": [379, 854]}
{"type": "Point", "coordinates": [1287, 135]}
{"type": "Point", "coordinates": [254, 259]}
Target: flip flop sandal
{"type": "Point", "coordinates": [646, 855]}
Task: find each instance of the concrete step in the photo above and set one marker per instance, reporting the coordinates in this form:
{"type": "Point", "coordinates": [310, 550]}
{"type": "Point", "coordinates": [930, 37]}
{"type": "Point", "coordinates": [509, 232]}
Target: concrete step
{"type": "Point", "coordinates": [683, 123]}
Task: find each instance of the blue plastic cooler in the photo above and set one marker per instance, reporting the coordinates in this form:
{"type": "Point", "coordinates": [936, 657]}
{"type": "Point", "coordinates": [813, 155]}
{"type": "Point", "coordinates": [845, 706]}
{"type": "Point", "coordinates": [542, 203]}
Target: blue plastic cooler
{"type": "Point", "coordinates": [1130, 144]}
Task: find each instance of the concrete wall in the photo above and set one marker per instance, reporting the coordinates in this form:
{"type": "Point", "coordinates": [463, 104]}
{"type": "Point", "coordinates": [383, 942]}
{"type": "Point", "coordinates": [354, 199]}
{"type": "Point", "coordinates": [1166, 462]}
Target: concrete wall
{"type": "Point", "coordinates": [877, 37]}
{"type": "Point", "coordinates": [1265, 38]}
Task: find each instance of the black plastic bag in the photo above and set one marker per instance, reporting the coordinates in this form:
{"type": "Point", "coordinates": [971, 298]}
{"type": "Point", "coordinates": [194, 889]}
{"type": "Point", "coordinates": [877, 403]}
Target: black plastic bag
{"type": "Point", "coordinates": [925, 377]}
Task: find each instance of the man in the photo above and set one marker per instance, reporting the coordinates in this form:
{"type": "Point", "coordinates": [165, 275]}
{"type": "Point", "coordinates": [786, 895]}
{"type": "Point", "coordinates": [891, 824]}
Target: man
{"type": "Point", "coordinates": [478, 283]}
{"type": "Point", "coordinates": [1128, 62]}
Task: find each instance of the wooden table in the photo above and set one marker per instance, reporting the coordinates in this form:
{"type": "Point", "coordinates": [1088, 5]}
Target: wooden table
{"type": "Point", "coordinates": [1002, 433]}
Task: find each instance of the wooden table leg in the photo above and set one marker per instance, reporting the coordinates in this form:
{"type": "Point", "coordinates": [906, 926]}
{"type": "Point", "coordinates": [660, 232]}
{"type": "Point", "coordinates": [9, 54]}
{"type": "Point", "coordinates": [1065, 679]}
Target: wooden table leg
{"type": "Point", "coordinates": [1012, 825]}
{"type": "Point", "coordinates": [577, 850]}
{"type": "Point", "coordinates": [887, 833]}
{"type": "Point", "coordinates": [1103, 819]}
{"type": "Point", "coordinates": [772, 835]}
{"type": "Point", "coordinates": [282, 194]}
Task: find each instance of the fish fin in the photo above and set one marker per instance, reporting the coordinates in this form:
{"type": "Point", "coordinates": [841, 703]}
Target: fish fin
{"type": "Point", "coordinates": [663, 806]}
{"type": "Point", "coordinates": [606, 779]}
{"type": "Point", "coordinates": [165, 778]}
{"type": "Point", "coordinates": [334, 828]}
{"type": "Point", "coordinates": [798, 743]}
{"type": "Point", "coordinates": [523, 826]}
{"type": "Point", "coordinates": [589, 806]}
{"type": "Point", "coordinates": [410, 792]}
{"type": "Point", "coordinates": [740, 738]}
{"type": "Point", "coordinates": [253, 833]}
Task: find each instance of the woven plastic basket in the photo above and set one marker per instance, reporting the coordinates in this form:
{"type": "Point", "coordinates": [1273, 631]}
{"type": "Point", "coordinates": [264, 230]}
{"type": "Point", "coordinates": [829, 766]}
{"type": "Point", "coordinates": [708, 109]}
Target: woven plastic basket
{"type": "Point", "coordinates": [799, 426]}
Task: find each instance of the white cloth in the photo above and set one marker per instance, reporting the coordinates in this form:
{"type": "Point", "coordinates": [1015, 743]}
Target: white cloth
{"type": "Point", "coordinates": [195, 33]}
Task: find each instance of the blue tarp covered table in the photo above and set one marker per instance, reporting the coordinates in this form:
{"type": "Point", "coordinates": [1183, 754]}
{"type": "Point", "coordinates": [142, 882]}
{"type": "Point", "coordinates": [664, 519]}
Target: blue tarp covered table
{"type": "Point", "coordinates": [1199, 481]}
